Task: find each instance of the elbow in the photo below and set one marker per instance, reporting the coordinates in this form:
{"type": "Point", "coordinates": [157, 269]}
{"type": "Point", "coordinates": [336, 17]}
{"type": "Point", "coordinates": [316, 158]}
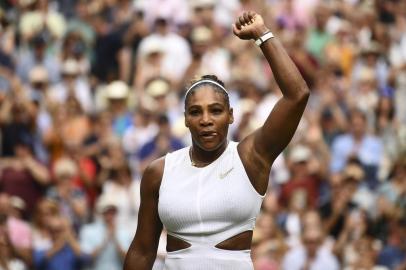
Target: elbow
{"type": "Point", "coordinates": [304, 92]}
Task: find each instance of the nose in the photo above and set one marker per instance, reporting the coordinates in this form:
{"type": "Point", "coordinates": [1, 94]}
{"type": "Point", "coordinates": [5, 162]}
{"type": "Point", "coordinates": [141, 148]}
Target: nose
{"type": "Point", "coordinates": [206, 120]}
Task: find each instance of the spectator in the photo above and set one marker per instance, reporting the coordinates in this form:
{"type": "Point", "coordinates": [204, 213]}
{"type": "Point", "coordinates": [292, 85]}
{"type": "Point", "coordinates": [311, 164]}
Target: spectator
{"type": "Point", "coordinates": [118, 95]}
{"type": "Point", "coordinates": [393, 254]}
{"type": "Point", "coordinates": [7, 260]}
{"type": "Point", "coordinates": [269, 245]}
{"type": "Point", "coordinates": [312, 255]}
{"type": "Point", "coordinates": [23, 176]}
{"type": "Point", "coordinates": [45, 210]}
{"type": "Point", "coordinates": [163, 142]}
{"type": "Point", "coordinates": [70, 198]}
{"type": "Point", "coordinates": [17, 232]}
{"type": "Point", "coordinates": [36, 57]}
{"type": "Point", "coordinates": [119, 186]}
{"type": "Point", "coordinates": [84, 84]}
{"type": "Point", "coordinates": [302, 181]}
{"type": "Point", "coordinates": [64, 253]}
{"type": "Point", "coordinates": [106, 240]}
{"type": "Point", "coordinates": [72, 84]}
{"type": "Point", "coordinates": [176, 52]}
{"type": "Point", "coordinates": [357, 143]}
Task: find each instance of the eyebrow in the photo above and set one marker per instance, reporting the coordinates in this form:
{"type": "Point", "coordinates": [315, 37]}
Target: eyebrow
{"type": "Point", "coordinates": [210, 105]}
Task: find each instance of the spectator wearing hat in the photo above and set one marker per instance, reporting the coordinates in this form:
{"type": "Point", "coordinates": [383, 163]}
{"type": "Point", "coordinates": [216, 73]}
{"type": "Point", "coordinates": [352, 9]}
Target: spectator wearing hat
{"type": "Point", "coordinates": [175, 11]}
{"type": "Point", "coordinates": [175, 50]}
{"type": "Point", "coordinates": [299, 193]}
{"type": "Point", "coordinates": [71, 199]}
{"type": "Point", "coordinates": [72, 84]}
{"type": "Point", "coordinates": [106, 241]}
{"type": "Point", "coordinates": [118, 95]}
{"type": "Point", "coordinates": [160, 97]}
{"type": "Point", "coordinates": [207, 13]}
{"type": "Point", "coordinates": [39, 81]}
{"type": "Point", "coordinates": [151, 60]}
{"type": "Point", "coordinates": [370, 57]}
{"type": "Point", "coordinates": [208, 56]}
{"type": "Point", "coordinates": [348, 193]}
{"type": "Point", "coordinates": [302, 181]}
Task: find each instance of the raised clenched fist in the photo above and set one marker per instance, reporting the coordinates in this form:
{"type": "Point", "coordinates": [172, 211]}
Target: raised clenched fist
{"type": "Point", "coordinates": [249, 25]}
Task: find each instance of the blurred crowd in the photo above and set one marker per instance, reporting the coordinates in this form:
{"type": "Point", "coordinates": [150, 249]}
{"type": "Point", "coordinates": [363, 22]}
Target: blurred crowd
{"type": "Point", "coordinates": [92, 91]}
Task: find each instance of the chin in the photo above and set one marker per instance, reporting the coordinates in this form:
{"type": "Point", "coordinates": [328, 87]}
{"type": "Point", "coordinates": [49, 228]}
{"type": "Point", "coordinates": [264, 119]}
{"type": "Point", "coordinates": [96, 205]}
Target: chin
{"type": "Point", "coordinates": [210, 146]}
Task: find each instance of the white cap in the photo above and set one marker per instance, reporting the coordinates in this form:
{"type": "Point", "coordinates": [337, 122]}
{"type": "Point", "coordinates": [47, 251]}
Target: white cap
{"type": "Point", "coordinates": [104, 203]}
{"type": "Point", "coordinates": [117, 90]}
{"type": "Point", "coordinates": [25, 3]}
{"type": "Point", "coordinates": [71, 67]}
{"type": "Point", "coordinates": [157, 87]}
{"type": "Point", "coordinates": [299, 153]}
{"type": "Point", "coordinates": [17, 202]}
{"type": "Point", "coordinates": [201, 34]}
{"type": "Point", "coordinates": [153, 46]}
{"type": "Point", "coordinates": [201, 3]}
{"type": "Point", "coordinates": [65, 166]}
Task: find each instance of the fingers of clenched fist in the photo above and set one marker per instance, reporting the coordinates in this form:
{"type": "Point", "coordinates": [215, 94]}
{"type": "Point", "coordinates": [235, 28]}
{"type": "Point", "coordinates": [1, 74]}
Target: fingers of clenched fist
{"type": "Point", "coordinates": [246, 19]}
{"type": "Point", "coordinates": [249, 25]}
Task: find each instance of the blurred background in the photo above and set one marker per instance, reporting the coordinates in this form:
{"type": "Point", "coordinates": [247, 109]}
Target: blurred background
{"type": "Point", "coordinates": [92, 91]}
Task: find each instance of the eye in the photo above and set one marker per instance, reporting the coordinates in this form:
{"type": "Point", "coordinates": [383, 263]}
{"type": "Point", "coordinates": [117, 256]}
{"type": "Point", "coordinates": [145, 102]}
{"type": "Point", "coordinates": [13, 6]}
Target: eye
{"type": "Point", "coordinates": [216, 111]}
{"type": "Point", "coordinates": [194, 112]}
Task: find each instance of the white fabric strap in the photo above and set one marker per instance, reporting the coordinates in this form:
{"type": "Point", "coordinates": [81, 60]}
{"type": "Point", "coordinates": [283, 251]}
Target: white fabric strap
{"type": "Point", "coordinates": [205, 81]}
{"type": "Point", "coordinates": [264, 38]}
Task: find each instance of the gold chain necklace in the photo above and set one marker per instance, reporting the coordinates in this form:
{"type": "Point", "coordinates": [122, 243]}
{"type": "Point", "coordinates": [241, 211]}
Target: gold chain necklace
{"type": "Point", "coordinates": [194, 164]}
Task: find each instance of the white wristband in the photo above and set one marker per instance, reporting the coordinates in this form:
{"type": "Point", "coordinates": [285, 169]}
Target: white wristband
{"type": "Point", "coordinates": [264, 38]}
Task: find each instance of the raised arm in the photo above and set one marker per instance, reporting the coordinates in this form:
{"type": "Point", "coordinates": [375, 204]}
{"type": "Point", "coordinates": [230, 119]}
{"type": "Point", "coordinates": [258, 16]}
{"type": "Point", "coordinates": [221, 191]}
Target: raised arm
{"type": "Point", "coordinates": [143, 249]}
{"type": "Point", "coordinates": [266, 143]}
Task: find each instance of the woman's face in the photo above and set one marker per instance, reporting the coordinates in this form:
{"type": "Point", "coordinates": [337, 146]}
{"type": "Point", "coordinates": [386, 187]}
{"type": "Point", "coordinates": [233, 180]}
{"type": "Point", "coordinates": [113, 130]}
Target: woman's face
{"type": "Point", "coordinates": [208, 116]}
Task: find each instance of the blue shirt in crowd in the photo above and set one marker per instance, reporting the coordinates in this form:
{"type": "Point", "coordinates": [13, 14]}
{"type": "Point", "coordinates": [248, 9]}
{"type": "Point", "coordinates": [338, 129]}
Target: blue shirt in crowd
{"type": "Point", "coordinates": [64, 259]}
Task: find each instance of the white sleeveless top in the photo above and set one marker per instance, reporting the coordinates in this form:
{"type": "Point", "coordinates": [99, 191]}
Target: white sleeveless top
{"type": "Point", "coordinates": [204, 207]}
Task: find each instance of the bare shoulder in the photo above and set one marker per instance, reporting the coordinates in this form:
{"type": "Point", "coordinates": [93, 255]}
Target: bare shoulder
{"type": "Point", "coordinates": [152, 177]}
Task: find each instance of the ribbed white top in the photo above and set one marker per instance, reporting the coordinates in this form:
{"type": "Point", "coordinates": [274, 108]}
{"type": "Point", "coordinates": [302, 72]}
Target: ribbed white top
{"type": "Point", "coordinates": [205, 206]}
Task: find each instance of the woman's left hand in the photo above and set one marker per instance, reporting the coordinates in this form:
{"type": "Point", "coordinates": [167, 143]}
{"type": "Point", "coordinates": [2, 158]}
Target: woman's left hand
{"type": "Point", "coordinates": [249, 25]}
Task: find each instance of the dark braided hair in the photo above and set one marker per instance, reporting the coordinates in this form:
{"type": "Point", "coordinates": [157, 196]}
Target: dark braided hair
{"type": "Point", "coordinates": [216, 88]}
